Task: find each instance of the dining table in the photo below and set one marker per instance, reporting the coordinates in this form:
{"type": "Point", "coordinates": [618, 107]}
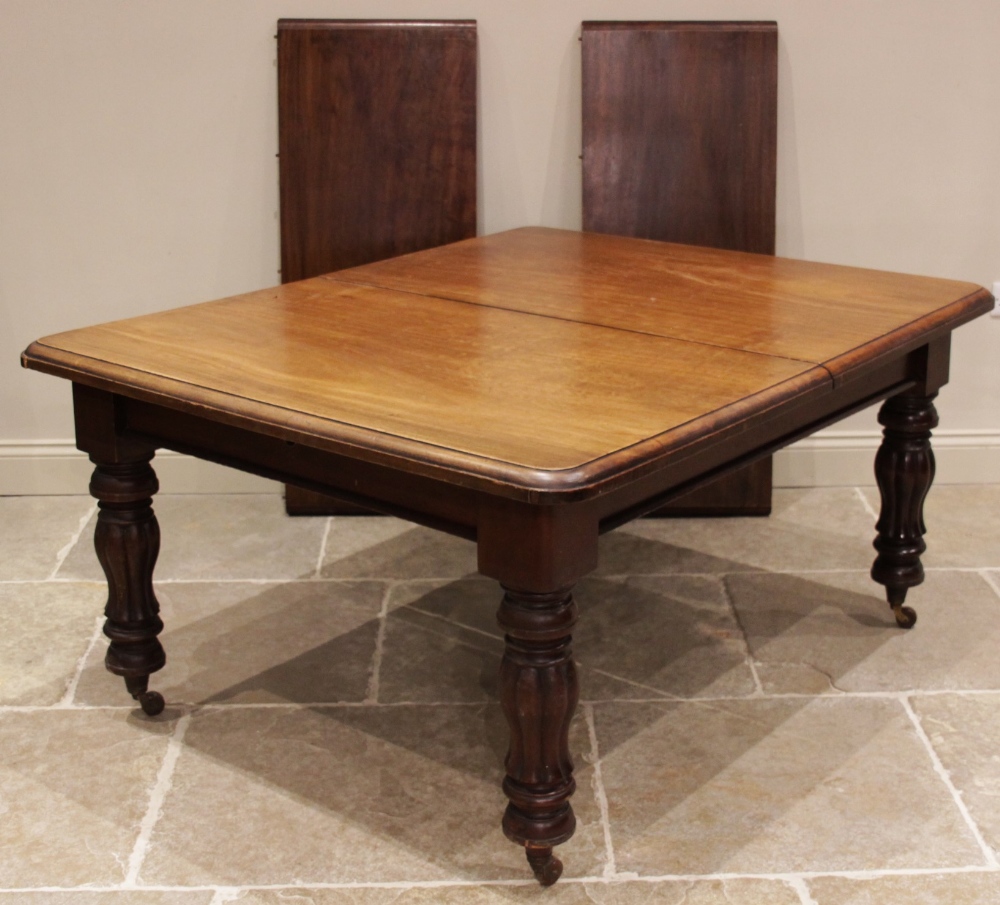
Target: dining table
{"type": "Point", "coordinates": [528, 390]}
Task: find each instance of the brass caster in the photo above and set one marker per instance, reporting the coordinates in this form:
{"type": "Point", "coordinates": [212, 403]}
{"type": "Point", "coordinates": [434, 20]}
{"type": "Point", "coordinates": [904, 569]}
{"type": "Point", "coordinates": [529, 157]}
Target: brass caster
{"type": "Point", "coordinates": [151, 702]}
{"type": "Point", "coordinates": [906, 617]}
{"type": "Point", "coordinates": [546, 866]}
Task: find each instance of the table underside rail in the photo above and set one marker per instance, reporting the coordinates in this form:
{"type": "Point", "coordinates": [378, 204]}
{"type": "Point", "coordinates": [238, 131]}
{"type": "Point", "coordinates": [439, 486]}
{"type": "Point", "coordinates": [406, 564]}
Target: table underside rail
{"type": "Point", "coordinates": [650, 503]}
{"type": "Point", "coordinates": [424, 501]}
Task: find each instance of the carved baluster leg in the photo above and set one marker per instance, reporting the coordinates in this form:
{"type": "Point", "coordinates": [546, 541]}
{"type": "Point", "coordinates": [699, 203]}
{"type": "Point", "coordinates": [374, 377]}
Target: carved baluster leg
{"type": "Point", "coordinates": [539, 691]}
{"type": "Point", "coordinates": [128, 541]}
{"type": "Point", "coordinates": [904, 469]}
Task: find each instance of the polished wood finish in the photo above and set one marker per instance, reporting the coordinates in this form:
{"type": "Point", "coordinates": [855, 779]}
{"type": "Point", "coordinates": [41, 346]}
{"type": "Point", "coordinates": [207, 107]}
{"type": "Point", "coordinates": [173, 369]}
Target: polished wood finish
{"type": "Point", "coordinates": [453, 377]}
{"type": "Point", "coordinates": [680, 131]}
{"type": "Point", "coordinates": [797, 310]}
{"type": "Point", "coordinates": [745, 491]}
{"type": "Point", "coordinates": [376, 139]}
{"type": "Point", "coordinates": [127, 540]}
{"type": "Point", "coordinates": [539, 691]}
{"type": "Point", "coordinates": [509, 408]}
{"type": "Point", "coordinates": [680, 144]}
{"type": "Point", "coordinates": [377, 150]}
{"type": "Point", "coordinates": [823, 314]}
{"type": "Point", "coordinates": [904, 469]}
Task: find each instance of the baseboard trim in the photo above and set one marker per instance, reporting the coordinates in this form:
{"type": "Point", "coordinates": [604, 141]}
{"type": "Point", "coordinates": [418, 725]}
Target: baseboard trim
{"type": "Point", "coordinates": [847, 458]}
{"type": "Point", "coordinates": [829, 459]}
{"type": "Point", "coordinates": [55, 467]}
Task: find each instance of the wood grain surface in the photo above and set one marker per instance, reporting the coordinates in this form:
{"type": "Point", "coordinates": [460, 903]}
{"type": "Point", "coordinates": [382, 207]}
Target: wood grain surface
{"type": "Point", "coordinates": [534, 391]}
{"type": "Point", "coordinates": [818, 313]}
{"type": "Point", "coordinates": [488, 388]}
{"type": "Point", "coordinates": [377, 139]}
{"type": "Point", "coordinates": [680, 124]}
{"type": "Point", "coordinates": [680, 131]}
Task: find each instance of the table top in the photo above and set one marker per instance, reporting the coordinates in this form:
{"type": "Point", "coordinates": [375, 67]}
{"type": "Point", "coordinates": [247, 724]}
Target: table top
{"type": "Point", "coordinates": [531, 353]}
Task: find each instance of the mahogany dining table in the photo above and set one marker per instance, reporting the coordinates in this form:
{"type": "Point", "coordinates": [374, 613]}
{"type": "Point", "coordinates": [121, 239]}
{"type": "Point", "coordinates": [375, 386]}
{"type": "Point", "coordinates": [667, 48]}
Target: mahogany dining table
{"type": "Point", "coordinates": [528, 390]}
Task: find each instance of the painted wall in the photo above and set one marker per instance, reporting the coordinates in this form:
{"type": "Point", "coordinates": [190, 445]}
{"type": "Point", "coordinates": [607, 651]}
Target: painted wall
{"type": "Point", "coordinates": [138, 141]}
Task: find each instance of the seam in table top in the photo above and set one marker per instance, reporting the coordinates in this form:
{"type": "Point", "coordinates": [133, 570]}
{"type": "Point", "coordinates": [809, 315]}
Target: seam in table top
{"type": "Point", "coordinates": [333, 278]}
{"type": "Point", "coordinates": [568, 320]}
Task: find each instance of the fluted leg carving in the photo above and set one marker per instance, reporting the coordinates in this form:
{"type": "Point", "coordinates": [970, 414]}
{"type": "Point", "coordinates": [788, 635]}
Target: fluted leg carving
{"type": "Point", "coordinates": [904, 469]}
{"type": "Point", "coordinates": [127, 540]}
{"type": "Point", "coordinates": [539, 692]}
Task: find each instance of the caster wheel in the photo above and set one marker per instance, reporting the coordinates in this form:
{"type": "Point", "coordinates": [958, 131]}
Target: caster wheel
{"type": "Point", "coordinates": [152, 703]}
{"type": "Point", "coordinates": [546, 866]}
{"type": "Point", "coordinates": [906, 617]}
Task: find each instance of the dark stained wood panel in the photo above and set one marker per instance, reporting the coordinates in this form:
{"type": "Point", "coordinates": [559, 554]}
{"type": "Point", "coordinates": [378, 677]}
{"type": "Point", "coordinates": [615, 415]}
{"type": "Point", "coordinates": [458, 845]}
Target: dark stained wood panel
{"type": "Point", "coordinates": [680, 132]}
{"type": "Point", "coordinates": [680, 144]}
{"type": "Point", "coordinates": [377, 148]}
{"type": "Point", "coordinates": [377, 140]}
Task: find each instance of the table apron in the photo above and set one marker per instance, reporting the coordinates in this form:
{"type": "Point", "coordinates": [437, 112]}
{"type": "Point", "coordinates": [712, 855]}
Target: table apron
{"type": "Point", "coordinates": [740, 445]}
{"type": "Point", "coordinates": [416, 498]}
{"type": "Point", "coordinates": [457, 509]}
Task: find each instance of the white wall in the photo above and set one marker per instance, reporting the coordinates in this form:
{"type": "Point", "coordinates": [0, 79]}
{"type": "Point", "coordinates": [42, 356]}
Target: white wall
{"type": "Point", "coordinates": [138, 170]}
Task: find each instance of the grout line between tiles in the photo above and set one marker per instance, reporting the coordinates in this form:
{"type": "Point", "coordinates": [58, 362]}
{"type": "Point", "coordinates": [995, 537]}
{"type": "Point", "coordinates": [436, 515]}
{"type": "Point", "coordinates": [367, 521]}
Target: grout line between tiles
{"type": "Point", "coordinates": [619, 880]}
{"type": "Point", "coordinates": [375, 670]}
{"type": "Point", "coordinates": [318, 571]}
{"type": "Point", "coordinates": [798, 885]}
{"type": "Point", "coordinates": [990, 580]}
{"type": "Point", "coordinates": [65, 551]}
{"type": "Point", "coordinates": [864, 502]}
{"type": "Point", "coordinates": [457, 623]}
{"type": "Point", "coordinates": [610, 867]}
{"type": "Point", "coordinates": [939, 768]}
{"type": "Point", "coordinates": [660, 695]}
{"type": "Point", "coordinates": [164, 781]}
{"type": "Point", "coordinates": [610, 576]}
{"type": "Point", "coordinates": [458, 642]}
{"type": "Point", "coordinates": [750, 661]}
{"type": "Point", "coordinates": [70, 693]}
{"type": "Point", "coordinates": [660, 698]}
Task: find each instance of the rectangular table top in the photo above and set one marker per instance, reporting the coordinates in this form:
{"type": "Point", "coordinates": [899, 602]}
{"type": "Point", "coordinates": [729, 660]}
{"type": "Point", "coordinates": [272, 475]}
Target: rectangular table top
{"type": "Point", "coordinates": [537, 350]}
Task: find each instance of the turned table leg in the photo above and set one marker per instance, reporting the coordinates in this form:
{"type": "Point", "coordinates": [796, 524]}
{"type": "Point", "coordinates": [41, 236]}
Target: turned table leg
{"type": "Point", "coordinates": [904, 469]}
{"type": "Point", "coordinates": [127, 540]}
{"type": "Point", "coordinates": [539, 691]}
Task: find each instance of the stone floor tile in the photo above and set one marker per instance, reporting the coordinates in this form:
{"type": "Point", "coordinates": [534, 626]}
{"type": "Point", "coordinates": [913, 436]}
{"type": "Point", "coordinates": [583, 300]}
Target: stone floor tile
{"type": "Point", "coordinates": [822, 632]}
{"type": "Point", "coordinates": [74, 787]}
{"type": "Point", "coordinates": [657, 636]}
{"type": "Point", "coordinates": [673, 635]}
{"type": "Point", "coordinates": [45, 628]}
{"type": "Point", "coordinates": [109, 897]}
{"type": "Point", "coordinates": [442, 643]}
{"type": "Point", "coordinates": [965, 732]}
{"type": "Point", "coordinates": [302, 641]}
{"type": "Point", "coordinates": [774, 786]}
{"type": "Point", "coordinates": [827, 527]}
{"type": "Point", "coordinates": [34, 529]}
{"type": "Point", "coordinates": [349, 794]}
{"type": "Point", "coordinates": [383, 547]}
{"type": "Point", "coordinates": [220, 536]}
{"type": "Point", "coordinates": [701, 892]}
{"type": "Point", "coordinates": [925, 889]}
{"type": "Point", "coordinates": [963, 525]}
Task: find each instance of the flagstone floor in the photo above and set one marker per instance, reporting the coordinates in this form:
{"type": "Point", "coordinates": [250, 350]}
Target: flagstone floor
{"type": "Point", "coordinates": [753, 728]}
